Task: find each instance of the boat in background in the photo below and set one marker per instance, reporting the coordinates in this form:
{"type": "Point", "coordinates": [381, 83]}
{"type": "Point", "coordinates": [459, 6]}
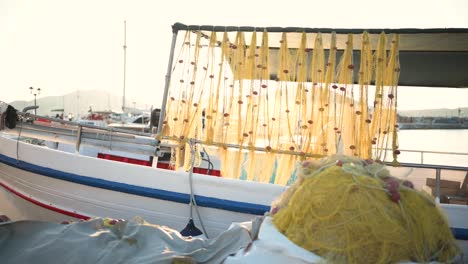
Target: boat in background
{"type": "Point", "coordinates": [140, 122]}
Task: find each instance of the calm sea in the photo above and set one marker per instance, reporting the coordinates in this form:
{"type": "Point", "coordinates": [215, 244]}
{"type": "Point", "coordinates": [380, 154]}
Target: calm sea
{"type": "Point", "coordinates": [434, 140]}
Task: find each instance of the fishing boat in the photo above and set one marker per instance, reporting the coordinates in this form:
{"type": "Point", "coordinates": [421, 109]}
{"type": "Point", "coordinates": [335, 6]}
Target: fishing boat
{"type": "Point", "coordinates": [242, 107]}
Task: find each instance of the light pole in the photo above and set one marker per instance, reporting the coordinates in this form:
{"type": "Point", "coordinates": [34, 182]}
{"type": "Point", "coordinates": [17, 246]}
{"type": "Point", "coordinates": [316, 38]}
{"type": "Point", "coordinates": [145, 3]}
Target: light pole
{"type": "Point", "coordinates": [35, 92]}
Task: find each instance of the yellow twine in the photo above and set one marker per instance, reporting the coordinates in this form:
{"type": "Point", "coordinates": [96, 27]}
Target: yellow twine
{"type": "Point", "coordinates": [312, 108]}
{"type": "Point", "coordinates": [345, 214]}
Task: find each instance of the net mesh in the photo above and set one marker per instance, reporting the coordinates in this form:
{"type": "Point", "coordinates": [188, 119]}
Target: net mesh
{"type": "Point", "coordinates": [352, 211]}
{"type": "Point", "coordinates": [269, 100]}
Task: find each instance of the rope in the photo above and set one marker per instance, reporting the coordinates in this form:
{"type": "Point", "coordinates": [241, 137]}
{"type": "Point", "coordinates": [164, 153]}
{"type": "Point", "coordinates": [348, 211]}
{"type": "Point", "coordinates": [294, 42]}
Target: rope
{"type": "Point", "coordinates": [193, 202]}
{"type": "Point", "coordinates": [208, 159]}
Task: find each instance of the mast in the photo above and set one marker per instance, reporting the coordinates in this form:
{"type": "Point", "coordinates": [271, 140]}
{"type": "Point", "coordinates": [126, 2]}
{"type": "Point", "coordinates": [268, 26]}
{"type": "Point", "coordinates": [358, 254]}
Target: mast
{"type": "Point", "coordinates": [78, 116]}
{"type": "Point", "coordinates": [124, 64]}
{"type": "Point", "coordinates": [166, 91]}
{"type": "Point", "coordinates": [168, 81]}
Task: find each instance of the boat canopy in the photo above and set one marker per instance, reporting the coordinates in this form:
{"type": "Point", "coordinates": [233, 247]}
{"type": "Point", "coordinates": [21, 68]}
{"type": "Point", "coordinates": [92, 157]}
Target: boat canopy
{"type": "Point", "coordinates": [433, 57]}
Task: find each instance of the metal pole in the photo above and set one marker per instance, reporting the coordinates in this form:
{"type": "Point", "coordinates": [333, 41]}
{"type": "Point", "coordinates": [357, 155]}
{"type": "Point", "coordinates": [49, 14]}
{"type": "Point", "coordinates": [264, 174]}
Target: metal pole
{"type": "Point", "coordinates": [78, 115]}
{"type": "Point", "coordinates": [168, 81]}
{"type": "Point", "coordinates": [35, 109]}
{"type": "Point", "coordinates": [125, 64]}
{"type": "Point", "coordinates": [78, 139]}
{"type": "Point", "coordinates": [437, 193]}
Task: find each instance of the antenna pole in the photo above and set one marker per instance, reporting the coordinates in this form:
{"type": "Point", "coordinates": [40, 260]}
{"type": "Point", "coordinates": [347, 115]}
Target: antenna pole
{"type": "Point", "coordinates": [124, 64]}
{"type": "Point", "coordinates": [167, 84]}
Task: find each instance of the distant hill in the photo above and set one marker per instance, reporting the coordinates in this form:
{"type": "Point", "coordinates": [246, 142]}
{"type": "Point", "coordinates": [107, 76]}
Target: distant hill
{"type": "Point", "coordinates": [79, 101]}
{"type": "Point", "coordinates": [75, 102]}
{"type": "Point", "coordinates": [444, 112]}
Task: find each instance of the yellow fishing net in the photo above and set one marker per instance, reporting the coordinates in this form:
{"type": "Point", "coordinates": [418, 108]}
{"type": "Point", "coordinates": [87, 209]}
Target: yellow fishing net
{"type": "Point", "coordinates": [349, 210]}
{"type": "Point", "coordinates": [270, 99]}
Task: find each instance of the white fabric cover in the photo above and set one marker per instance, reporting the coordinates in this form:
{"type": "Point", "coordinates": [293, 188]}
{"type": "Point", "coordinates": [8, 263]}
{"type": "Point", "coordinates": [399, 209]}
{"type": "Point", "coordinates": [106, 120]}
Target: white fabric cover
{"type": "Point", "coordinates": [137, 241]}
{"type": "Point", "coordinates": [92, 241]}
{"type": "Point", "coordinates": [272, 247]}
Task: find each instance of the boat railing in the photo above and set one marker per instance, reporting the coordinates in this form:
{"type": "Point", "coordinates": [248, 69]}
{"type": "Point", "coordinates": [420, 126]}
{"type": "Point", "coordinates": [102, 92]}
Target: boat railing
{"type": "Point", "coordinates": [422, 153]}
{"type": "Point", "coordinates": [461, 193]}
{"type": "Point", "coordinates": [73, 123]}
{"type": "Point", "coordinates": [71, 128]}
{"type": "Point", "coordinates": [75, 133]}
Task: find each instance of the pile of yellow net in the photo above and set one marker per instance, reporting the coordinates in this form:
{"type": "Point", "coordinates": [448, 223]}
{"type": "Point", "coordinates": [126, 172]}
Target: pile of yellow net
{"type": "Point", "coordinates": [349, 210]}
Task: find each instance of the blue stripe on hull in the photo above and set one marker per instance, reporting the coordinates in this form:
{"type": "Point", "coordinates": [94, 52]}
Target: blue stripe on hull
{"type": "Point", "coordinates": [241, 207]}
{"type": "Point", "coordinates": [460, 233]}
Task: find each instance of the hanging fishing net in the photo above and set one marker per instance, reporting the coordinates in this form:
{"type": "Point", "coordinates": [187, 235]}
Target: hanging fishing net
{"type": "Point", "coordinates": [349, 210]}
{"type": "Point", "coordinates": [262, 101]}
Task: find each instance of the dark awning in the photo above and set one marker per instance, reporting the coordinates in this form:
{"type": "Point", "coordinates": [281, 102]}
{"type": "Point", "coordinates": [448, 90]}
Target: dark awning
{"type": "Point", "coordinates": [436, 57]}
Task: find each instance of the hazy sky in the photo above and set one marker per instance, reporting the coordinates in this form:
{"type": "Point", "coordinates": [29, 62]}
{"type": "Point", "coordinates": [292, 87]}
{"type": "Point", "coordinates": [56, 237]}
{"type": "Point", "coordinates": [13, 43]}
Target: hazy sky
{"type": "Point", "coordinates": [63, 46]}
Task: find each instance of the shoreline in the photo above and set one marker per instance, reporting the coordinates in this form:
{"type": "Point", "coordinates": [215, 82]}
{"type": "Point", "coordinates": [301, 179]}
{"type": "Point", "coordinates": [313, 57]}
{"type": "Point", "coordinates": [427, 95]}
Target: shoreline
{"type": "Point", "coordinates": [405, 126]}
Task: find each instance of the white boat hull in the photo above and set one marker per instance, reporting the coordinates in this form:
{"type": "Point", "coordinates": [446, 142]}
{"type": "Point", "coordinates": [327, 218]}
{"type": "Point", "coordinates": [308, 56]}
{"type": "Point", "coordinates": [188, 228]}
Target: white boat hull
{"type": "Point", "coordinates": [45, 184]}
{"type": "Point", "coordinates": [72, 186]}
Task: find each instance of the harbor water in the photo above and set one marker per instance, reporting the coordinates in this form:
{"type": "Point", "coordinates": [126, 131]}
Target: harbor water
{"type": "Point", "coordinates": [422, 145]}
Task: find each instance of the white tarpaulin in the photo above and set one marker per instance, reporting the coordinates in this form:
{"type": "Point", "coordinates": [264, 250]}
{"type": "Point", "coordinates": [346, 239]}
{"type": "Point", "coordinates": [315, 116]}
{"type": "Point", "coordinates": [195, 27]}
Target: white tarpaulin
{"type": "Point", "coordinates": [93, 241]}
{"type": "Point", "coordinates": [139, 242]}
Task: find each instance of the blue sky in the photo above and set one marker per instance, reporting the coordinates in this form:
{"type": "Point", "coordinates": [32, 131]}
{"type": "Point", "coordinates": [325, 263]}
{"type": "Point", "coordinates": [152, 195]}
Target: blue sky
{"type": "Point", "coordinates": [64, 46]}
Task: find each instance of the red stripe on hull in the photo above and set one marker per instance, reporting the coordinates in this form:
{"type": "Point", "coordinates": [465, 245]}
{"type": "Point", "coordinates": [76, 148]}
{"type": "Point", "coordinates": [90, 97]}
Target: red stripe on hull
{"type": "Point", "coordinates": [124, 159]}
{"type": "Point", "coordinates": [43, 205]}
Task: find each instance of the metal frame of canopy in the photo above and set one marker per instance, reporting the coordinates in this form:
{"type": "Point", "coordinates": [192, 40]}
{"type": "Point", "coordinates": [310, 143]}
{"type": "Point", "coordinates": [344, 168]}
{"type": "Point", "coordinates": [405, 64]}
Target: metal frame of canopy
{"type": "Point", "coordinates": [434, 57]}
{"type": "Point", "coordinates": [179, 26]}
